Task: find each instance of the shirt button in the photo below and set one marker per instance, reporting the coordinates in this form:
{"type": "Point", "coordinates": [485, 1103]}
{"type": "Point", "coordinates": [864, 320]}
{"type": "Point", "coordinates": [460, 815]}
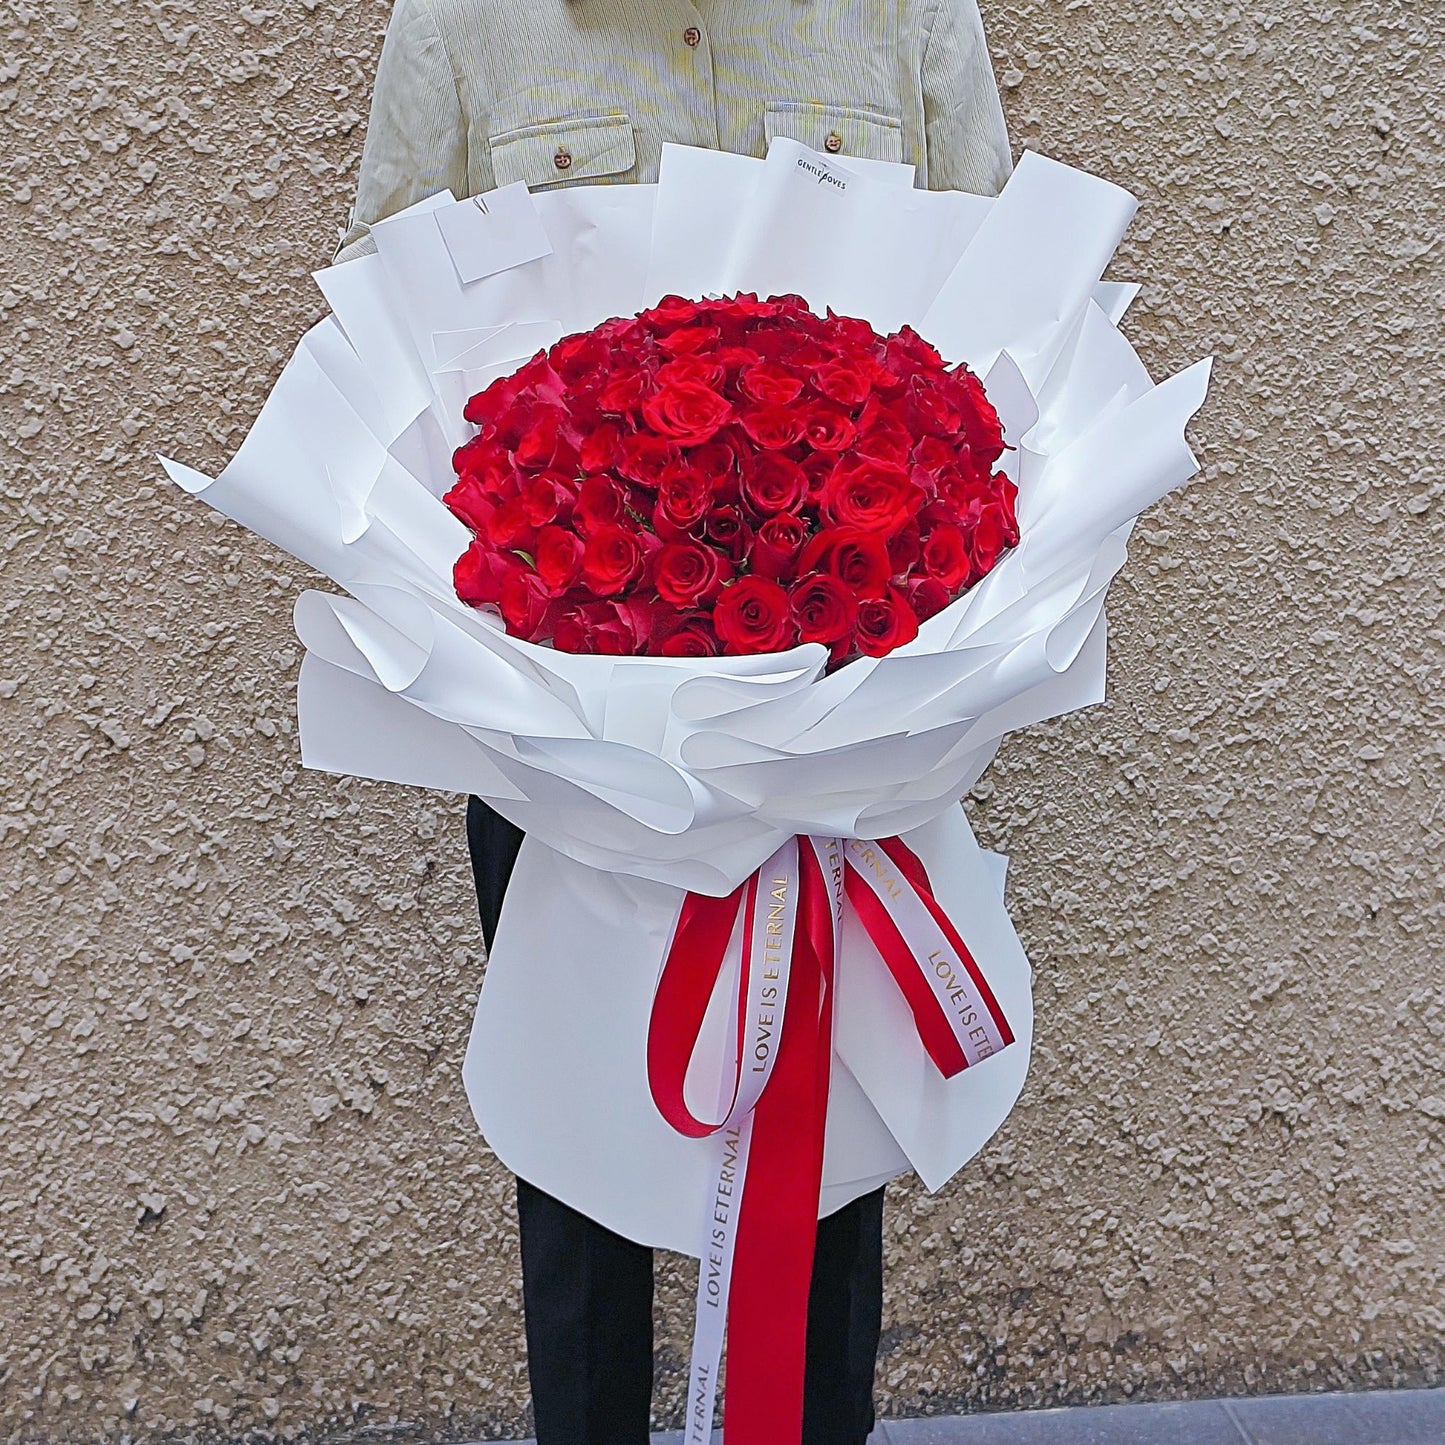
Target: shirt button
{"type": "Point", "coordinates": [692, 37]}
{"type": "Point", "coordinates": [563, 159]}
{"type": "Point", "coordinates": [834, 143]}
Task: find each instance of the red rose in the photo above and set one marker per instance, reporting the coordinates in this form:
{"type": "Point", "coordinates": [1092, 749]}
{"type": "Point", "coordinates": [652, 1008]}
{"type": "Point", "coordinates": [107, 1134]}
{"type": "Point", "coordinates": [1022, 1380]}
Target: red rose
{"type": "Point", "coordinates": [547, 497]}
{"type": "Point", "coordinates": [906, 352]}
{"type": "Point", "coordinates": [673, 311]}
{"type": "Point", "coordinates": [577, 358]}
{"type": "Point", "coordinates": [695, 638]}
{"type": "Point", "coordinates": [946, 556]}
{"type": "Point", "coordinates": [830, 428]}
{"type": "Point", "coordinates": [613, 629]}
{"type": "Point", "coordinates": [509, 526]}
{"type": "Point", "coordinates": [737, 358]}
{"type": "Point", "coordinates": [600, 503]}
{"type": "Point", "coordinates": [718, 462]}
{"type": "Point", "coordinates": [559, 558]}
{"type": "Point", "coordinates": [752, 616]}
{"type": "Point", "coordinates": [643, 458]}
{"type": "Point", "coordinates": [824, 609]}
{"type": "Point", "coordinates": [1005, 495]}
{"type": "Point", "coordinates": [687, 412]}
{"type": "Point", "coordinates": [469, 501]}
{"type": "Point", "coordinates": [727, 530]}
{"type": "Point", "coordinates": [623, 393]}
{"type": "Point", "coordinates": [770, 383]}
{"type": "Point", "coordinates": [777, 543]}
{"type": "Point", "coordinates": [710, 371]}
{"type": "Point", "coordinates": [886, 440]}
{"type": "Point", "coordinates": [611, 558]}
{"type": "Point", "coordinates": [928, 596]}
{"type": "Point", "coordinates": [938, 465]}
{"type": "Point", "coordinates": [930, 410]}
{"type": "Point", "coordinates": [486, 406]}
{"type": "Point", "coordinates": [481, 455]}
{"type": "Point", "coordinates": [807, 353]}
{"type": "Point", "coordinates": [683, 500]}
{"type": "Point", "coordinates": [599, 448]}
{"type": "Point", "coordinates": [747, 305]}
{"type": "Point", "coordinates": [856, 558]}
{"type": "Point", "coordinates": [645, 616]}
{"type": "Point", "coordinates": [539, 378]}
{"type": "Point", "coordinates": [846, 382]}
{"type": "Point", "coordinates": [981, 423]}
{"type": "Point", "coordinates": [572, 631]}
{"type": "Point", "coordinates": [687, 573]}
{"type": "Point", "coordinates": [774, 428]}
{"type": "Point", "coordinates": [534, 434]}
{"type": "Point", "coordinates": [818, 467]}
{"type": "Point", "coordinates": [774, 483]}
{"type": "Point", "coordinates": [885, 623]}
{"type": "Point", "coordinates": [875, 495]}
{"type": "Point", "coordinates": [987, 540]}
{"type": "Point", "coordinates": [851, 333]}
{"type": "Point", "coordinates": [524, 603]}
{"type": "Point", "coordinates": [689, 340]}
{"type": "Point", "coordinates": [479, 573]}
{"type": "Point", "coordinates": [905, 548]}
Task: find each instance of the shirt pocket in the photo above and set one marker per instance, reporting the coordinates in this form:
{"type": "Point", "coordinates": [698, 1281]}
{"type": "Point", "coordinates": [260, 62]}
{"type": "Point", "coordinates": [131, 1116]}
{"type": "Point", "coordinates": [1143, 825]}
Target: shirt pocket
{"type": "Point", "coordinates": [840, 130]}
{"type": "Point", "coordinates": [563, 152]}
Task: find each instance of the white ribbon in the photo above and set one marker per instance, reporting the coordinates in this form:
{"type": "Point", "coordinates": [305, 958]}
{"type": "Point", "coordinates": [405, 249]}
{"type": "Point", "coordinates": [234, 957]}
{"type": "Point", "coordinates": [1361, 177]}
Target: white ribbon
{"type": "Point", "coordinates": [760, 998]}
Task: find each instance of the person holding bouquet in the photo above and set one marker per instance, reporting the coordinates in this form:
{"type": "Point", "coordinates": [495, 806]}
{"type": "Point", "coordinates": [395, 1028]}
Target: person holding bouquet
{"type": "Point", "coordinates": [470, 96]}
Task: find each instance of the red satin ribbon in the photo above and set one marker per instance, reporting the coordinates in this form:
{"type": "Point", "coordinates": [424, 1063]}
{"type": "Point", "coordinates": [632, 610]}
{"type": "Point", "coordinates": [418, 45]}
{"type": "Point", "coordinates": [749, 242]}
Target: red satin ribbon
{"type": "Point", "coordinates": [767, 1318]}
{"type": "Point", "coordinates": [934, 1028]}
{"type": "Point", "coordinates": [699, 945]}
{"type": "Point", "coordinates": [778, 1224]}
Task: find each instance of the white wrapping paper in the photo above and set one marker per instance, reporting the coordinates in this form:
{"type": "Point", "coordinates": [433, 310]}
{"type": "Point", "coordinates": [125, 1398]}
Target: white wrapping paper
{"type": "Point", "coordinates": [637, 778]}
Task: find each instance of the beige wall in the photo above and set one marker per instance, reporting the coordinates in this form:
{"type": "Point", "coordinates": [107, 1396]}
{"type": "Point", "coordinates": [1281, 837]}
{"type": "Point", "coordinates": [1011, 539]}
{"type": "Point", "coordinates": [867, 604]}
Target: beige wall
{"type": "Point", "coordinates": [240, 1191]}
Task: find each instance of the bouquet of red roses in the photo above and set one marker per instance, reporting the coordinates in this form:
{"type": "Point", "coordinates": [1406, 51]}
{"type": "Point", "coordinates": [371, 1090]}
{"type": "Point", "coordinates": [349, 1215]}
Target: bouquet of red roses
{"type": "Point", "coordinates": [734, 476]}
{"type": "Point", "coordinates": [743, 861]}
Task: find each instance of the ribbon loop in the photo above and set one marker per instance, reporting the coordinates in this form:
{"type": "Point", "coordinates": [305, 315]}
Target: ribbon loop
{"type": "Point", "coordinates": [767, 905]}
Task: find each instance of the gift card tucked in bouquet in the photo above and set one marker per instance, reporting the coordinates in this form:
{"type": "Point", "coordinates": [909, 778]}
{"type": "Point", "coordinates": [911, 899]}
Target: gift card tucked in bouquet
{"type": "Point", "coordinates": [493, 232]}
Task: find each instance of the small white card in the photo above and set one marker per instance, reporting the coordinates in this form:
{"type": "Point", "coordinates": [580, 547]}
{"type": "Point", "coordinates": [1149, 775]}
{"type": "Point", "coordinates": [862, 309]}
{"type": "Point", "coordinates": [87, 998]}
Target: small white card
{"type": "Point", "coordinates": [493, 232]}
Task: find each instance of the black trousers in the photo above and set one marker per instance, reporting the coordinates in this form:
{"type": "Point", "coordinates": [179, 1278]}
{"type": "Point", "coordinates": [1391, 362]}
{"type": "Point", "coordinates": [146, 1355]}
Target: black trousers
{"type": "Point", "coordinates": [588, 1292]}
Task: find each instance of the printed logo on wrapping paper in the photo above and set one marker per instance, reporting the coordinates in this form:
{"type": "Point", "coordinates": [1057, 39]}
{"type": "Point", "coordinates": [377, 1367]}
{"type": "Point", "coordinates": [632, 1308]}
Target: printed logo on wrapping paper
{"type": "Point", "coordinates": [823, 175]}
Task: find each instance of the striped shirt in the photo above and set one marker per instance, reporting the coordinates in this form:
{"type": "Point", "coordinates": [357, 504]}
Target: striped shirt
{"type": "Point", "coordinates": [474, 94]}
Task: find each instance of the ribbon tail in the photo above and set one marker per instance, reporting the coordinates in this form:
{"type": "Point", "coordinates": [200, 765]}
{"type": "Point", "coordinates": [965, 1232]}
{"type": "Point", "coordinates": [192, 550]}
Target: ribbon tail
{"type": "Point", "coordinates": [778, 1224]}
{"type": "Point", "coordinates": [958, 1019]}
{"type": "Point", "coordinates": [714, 1284]}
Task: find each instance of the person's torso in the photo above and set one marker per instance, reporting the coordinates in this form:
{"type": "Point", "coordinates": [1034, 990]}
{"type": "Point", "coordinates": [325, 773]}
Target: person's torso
{"type": "Point", "coordinates": [563, 92]}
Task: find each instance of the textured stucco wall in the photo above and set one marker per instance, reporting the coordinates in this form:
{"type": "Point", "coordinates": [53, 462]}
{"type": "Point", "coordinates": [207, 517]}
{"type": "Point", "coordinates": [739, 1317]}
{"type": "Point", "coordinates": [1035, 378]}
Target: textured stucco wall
{"type": "Point", "coordinates": [240, 1191]}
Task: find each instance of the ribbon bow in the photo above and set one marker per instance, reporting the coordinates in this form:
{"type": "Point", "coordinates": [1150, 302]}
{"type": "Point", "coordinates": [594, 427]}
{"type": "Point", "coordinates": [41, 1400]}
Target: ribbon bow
{"type": "Point", "coordinates": [761, 1221]}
